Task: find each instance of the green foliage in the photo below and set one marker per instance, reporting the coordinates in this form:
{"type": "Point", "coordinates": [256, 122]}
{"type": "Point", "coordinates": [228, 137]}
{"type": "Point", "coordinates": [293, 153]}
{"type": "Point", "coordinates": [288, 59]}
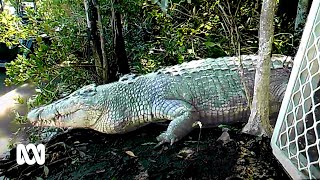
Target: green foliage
{"type": "Point", "coordinates": [156, 33]}
{"type": "Point", "coordinates": [20, 119]}
{"type": "Point", "coordinates": [64, 23]}
{"type": "Point", "coordinates": [11, 30]}
{"type": "Point", "coordinates": [185, 32]}
{"type": "Point", "coordinates": [52, 64]}
{"type": "Point", "coordinates": [194, 29]}
{"type": "Point", "coordinates": [65, 81]}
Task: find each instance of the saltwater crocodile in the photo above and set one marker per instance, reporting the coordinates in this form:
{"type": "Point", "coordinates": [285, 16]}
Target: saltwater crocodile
{"type": "Point", "coordinates": [209, 91]}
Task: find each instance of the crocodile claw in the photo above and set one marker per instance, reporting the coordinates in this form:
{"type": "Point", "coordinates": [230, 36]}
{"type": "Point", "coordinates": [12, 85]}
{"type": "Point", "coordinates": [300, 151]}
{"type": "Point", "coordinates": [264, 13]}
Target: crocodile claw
{"type": "Point", "coordinates": [166, 138]}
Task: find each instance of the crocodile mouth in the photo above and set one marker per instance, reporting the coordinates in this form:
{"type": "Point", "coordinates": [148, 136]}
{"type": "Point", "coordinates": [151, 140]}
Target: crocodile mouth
{"type": "Point", "coordinates": [38, 117]}
{"type": "Point", "coordinates": [77, 118]}
{"type": "Point", "coordinates": [58, 120]}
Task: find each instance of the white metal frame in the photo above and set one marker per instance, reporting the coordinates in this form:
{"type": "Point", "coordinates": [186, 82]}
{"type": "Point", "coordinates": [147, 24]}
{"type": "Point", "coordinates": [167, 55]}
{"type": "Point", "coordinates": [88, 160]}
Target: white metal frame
{"type": "Point", "coordinates": [283, 152]}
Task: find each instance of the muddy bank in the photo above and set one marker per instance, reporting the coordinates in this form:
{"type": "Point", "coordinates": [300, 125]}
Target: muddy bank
{"type": "Point", "coordinates": [87, 154]}
{"type": "Point", "coordinates": [9, 106]}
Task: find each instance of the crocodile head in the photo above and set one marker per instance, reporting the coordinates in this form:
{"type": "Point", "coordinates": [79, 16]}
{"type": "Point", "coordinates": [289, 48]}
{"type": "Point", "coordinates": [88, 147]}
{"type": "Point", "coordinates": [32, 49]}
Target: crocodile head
{"type": "Point", "coordinates": [81, 108]}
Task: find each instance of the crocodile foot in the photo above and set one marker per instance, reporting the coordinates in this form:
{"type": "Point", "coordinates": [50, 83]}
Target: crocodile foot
{"type": "Point", "coordinates": [166, 138]}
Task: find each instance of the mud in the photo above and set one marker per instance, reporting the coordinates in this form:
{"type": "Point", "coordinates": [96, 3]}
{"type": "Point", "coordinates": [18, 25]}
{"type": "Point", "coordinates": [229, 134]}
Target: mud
{"type": "Point", "coordinates": [87, 154]}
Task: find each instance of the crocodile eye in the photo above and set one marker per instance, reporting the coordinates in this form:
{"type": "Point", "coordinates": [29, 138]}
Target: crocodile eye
{"type": "Point", "coordinates": [89, 90]}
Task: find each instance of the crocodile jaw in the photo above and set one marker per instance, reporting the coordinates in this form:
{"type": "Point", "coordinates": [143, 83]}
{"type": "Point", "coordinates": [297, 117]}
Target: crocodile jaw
{"type": "Point", "coordinates": [79, 118]}
{"type": "Point", "coordinates": [79, 109]}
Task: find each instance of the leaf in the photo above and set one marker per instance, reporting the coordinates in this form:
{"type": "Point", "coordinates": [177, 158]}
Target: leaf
{"type": "Point", "coordinates": [189, 1]}
{"type": "Point", "coordinates": [38, 90]}
{"type": "Point", "coordinates": [209, 44]}
{"type": "Point", "coordinates": [20, 100]}
{"type": "Point", "coordinates": [185, 153]}
{"type": "Point", "coordinates": [154, 1]}
{"type": "Point", "coordinates": [100, 171]}
{"type": "Point", "coordinates": [82, 154]}
{"type": "Point", "coordinates": [148, 143]}
{"type": "Point", "coordinates": [46, 170]}
{"type": "Point", "coordinates": [208, 27]}
{"type": "Point", "coordinates": [4, 20]}
{"type": "Point", "coordinates": [130, 153]}
{"type": "Point", "coordinates": [180, 58]}
{"type": "Point", "coordinates": [38, 39]}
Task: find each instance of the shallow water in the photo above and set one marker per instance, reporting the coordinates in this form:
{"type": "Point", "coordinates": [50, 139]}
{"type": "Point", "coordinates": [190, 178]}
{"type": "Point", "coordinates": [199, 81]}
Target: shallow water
{"type": "Point", "coordinates": [8, 107]}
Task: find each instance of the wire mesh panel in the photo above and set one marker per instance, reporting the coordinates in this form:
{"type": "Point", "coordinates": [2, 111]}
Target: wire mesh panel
{"type": "Point", "coordinates": [295, 141]}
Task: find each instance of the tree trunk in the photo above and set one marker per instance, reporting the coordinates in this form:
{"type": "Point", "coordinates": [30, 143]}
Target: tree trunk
{"type": "Point", "coordinates": [1, 6]}
{"type": "Point", "coordinates": [120, 47]}
{"type": "Point", "coordinates": [105, 65]}
{"type": "Point", "coordinates": [258, 123]}
{"type": "Point", "coordinates": [302, 14]}
{"type": "Point", "coordinates": [96, 36]}
{"type": "Point", "coordinates": [91, 15]}
{"type": "Point", "coordinates": [120, 64]}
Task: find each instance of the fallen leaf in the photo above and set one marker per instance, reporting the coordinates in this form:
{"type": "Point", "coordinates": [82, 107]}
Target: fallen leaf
{"type": "Point", "coordinates": [185, 153]}
{"type": "Point", "coordinates": [148, 143]}
{"type": "Point", "coordinates": [46, 170]}
{"type": "Point", "coordinates": [82, 154]}
{"type": "Point", "coordinates": [130, 153]}
{"type": "Point", "coordinates": [100, 171]}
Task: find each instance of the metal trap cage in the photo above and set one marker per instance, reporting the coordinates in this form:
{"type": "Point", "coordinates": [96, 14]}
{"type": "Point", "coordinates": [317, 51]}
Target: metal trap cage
{"type": "Point", "coordinates": [296, 137]}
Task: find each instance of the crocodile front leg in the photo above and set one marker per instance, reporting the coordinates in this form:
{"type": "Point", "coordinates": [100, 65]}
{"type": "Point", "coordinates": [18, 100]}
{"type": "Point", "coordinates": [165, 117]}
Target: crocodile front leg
{"type": "Point", "coordinates": [182, 115]}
